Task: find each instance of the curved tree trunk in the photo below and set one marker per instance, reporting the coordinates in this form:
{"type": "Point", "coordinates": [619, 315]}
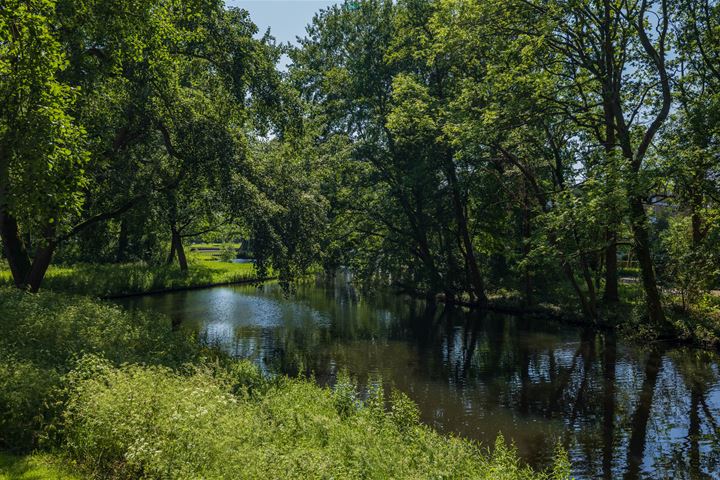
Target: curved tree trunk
{"type": "Point", "coordinates": [15, 252]}
{"type": "Point", "coordinates": [478, 285]}
{"type": "Point", "coordinates": [26, 274]}
{"type": "Point", "coordinates": [641, 236]}
{"type": "Point", "coordinates": [41, 262]}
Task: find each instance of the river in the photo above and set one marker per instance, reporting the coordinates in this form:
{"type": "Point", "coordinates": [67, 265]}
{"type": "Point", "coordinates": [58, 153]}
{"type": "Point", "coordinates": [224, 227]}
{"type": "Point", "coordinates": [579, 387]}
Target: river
{"type": "Point", "coordinates": [621, 411]}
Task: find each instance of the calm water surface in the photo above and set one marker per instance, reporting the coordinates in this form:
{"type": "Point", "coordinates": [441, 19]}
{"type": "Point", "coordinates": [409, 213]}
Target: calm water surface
{"type": "Point", "coordinates": [621, 411]}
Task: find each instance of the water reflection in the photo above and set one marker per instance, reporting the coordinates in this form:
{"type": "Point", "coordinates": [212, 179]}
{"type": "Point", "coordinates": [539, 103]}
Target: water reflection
{"type": "Point", "coordinates": [621, 412]}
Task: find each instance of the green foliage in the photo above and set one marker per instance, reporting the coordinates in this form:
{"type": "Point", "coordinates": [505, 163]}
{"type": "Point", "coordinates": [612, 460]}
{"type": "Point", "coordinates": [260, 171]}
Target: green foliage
{"type": "Point", "coordinates": [287, 217]}
{"type": "Point", "coordinates": [141, 421]}
{"type": "Point", "coordinates": [500, 145]}
{"type": "Point", "coordinates": [692, 269]}
{"type": "Point", "coordinates": [168, 97]}
{"type": "Point", "coordinates": [43, 157]}
{"type": "Point", "coordinates": [24, 394]}
{"type": "Point", "coordinates": [46, 333]}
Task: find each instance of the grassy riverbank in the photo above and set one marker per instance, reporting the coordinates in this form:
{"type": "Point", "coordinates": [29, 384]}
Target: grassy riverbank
{"type": "Point", "coordinates": [34, 467]}
{"type": "Point", "coordinates": [697, 325]}
{"type": "Point", "coordinates": [103, 280]}
{"type": "Point", "coordinates": [119, 394]}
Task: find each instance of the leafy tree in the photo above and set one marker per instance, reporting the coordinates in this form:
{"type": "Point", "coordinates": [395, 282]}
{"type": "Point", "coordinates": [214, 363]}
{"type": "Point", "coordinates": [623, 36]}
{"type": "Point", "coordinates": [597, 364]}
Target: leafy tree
{"type": "Point", "coordinates": [614, 82]}
{"type": "Point", "coordinates": [42, 147]}
{"type": "Point", "coordinates": [166, 96]}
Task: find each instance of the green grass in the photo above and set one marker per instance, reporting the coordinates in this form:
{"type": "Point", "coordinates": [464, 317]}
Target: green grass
{"type": "Point", "coordinates": [213, 251]}
{"type": "Point", "coordinates": [118, 279]}
{"type": "Point", "coordinates": [214, 245]}
{"type": "Point", "coordinates": [33, 467]}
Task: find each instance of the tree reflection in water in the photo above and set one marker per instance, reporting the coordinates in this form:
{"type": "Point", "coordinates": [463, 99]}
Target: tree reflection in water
{"type": "Point", "coordinates": [620, 411]}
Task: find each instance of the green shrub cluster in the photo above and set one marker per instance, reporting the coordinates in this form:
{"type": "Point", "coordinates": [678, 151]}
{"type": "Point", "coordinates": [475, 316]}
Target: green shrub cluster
{"type": "Point", "coordinates": [44, 335]}
{"type": "Point", "coordinates": [152, 422]}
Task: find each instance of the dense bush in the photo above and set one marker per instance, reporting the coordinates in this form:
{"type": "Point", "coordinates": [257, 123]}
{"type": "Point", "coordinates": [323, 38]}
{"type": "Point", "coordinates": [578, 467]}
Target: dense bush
{"type": "Point", "coordinates": [51, 330]}
{"type": "Point", "coordinates": [151, 422]}
{"type": "Point", "coordinates": [43, 336]}
{"type": "Point", "coordinates": [24, 391]}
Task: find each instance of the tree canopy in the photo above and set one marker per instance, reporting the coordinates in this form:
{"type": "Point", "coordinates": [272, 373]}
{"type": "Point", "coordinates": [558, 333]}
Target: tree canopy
{"type": "Point", "coordinates": [455, 148]}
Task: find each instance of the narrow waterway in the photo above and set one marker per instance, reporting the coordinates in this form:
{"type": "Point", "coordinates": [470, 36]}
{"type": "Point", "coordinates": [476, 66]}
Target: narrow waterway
{"type": "Point", "coordinates": [621, 411]}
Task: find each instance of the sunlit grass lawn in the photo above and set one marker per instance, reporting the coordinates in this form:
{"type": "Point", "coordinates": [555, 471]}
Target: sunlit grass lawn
{"type": "Point", "coordinates": [206, 246]}
{"type": "Point", "coordinates": [119, 279]}
{"type": "Point", "coordinates": [212, 251]}
{"type": "Point", "coordinates": [33, 467]}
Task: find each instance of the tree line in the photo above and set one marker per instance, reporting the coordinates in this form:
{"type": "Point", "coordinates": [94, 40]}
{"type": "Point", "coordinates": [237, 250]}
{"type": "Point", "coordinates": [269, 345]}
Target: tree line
{"type": "Point", "coordinates": [446, 147]}
{"type": "Point", "coordinates": [522, 144]}
{"type": "Point", "coordinates": [128, 123]}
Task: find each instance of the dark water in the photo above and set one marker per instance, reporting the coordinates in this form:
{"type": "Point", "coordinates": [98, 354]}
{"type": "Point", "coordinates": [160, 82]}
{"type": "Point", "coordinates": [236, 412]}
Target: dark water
{"type": "Point", "coordinates": [621, 411]}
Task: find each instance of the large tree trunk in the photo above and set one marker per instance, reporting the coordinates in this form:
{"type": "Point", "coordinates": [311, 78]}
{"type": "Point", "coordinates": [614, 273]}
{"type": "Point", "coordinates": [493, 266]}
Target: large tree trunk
{"type": "Point", "coordinates": [15, 252]}
{"type": "Point", "coordinates": [641, 236]}
{"type": "Point", "coordinates": [40, 265]}
{"type": "Point", "coordinates": [697, 235]}
{"type": "Point", "coordinates": [171, 255]}
{"type": "Point", "coordinates": [611, 293]}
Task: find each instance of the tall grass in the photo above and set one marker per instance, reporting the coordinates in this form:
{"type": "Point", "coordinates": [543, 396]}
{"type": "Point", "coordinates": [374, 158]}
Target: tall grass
{"type": "Point", "coordinates": [140, 422]}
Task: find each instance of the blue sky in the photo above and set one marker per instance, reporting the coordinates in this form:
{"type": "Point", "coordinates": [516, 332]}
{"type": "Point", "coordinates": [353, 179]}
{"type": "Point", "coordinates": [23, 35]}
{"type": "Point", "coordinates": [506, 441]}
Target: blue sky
{"type": "Point", "coordinates": [286, 18]}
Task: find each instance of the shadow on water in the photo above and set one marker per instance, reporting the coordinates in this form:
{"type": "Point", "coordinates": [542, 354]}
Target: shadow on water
{"type": "Point", "coordinates": [620, 411]}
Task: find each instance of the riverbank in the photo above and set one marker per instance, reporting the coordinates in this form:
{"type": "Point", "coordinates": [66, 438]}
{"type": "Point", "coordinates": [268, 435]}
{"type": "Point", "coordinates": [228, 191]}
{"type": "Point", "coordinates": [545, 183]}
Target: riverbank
{"type": "Point", "coordinates": [120, 393]}
{"type": "Point", "coordinates": [126, 279]}
{"type": "Point", "coordinates": [698, 326]}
